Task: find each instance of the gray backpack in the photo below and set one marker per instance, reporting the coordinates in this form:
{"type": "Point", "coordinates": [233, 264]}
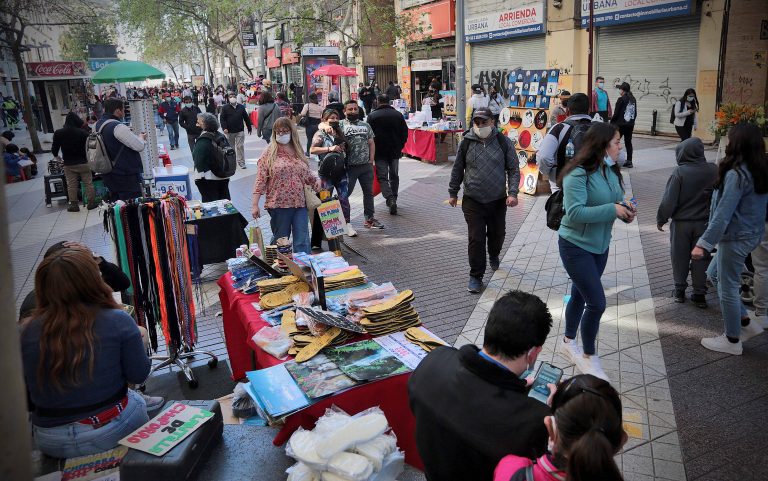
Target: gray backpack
{"type": "Point", "coordinates": [96, 151]}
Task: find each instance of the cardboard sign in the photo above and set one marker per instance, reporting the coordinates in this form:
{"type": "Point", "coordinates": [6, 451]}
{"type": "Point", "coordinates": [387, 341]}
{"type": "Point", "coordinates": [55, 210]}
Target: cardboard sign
{"type": "Point", "coordinates": [167, 429]}
{"type": "Point", "coordinates": [100, 466]}
{"type": "Point", "coordinates": [331, 218]}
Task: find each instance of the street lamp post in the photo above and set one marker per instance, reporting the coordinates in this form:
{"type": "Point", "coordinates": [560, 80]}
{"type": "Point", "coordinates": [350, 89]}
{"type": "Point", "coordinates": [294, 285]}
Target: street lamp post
{"type": "Point", "coordinates": [461, 71]}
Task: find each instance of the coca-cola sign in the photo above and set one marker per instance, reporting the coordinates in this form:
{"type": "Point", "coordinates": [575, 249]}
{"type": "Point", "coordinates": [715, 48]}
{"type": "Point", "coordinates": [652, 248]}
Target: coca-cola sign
{"type": "Point", "coordinates": [56, 69]}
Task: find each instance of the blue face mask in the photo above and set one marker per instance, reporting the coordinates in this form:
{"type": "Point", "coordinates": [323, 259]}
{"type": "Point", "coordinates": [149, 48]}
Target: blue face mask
{"type": "Point", "coordinates": [609, 161]}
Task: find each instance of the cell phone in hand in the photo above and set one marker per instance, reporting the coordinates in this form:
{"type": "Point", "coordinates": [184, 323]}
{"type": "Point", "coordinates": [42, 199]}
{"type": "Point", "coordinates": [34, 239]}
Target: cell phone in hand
{"type": "Point", "coordinates": [546, 374]}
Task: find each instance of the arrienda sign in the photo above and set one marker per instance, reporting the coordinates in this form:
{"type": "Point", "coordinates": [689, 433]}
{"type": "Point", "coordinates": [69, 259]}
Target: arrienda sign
{"type": "Point", "coordinates": [56, 69]}
{"type": "Point", "coordinates": [614, 12]}
{"type": "Point", "coordinates": [501, 24]}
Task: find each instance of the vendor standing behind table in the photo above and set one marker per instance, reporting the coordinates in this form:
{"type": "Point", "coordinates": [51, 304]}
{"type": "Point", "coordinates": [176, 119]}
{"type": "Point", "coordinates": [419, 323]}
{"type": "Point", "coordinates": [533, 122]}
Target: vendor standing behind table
{"type": "Point", "coordinates": [123, 147]}
{"type": "Point", "coordinates": [234, 120]}
{"type": "Point", "coordinates": [71, 140]}
{"type": "Point", "coordinates": [210, 186]}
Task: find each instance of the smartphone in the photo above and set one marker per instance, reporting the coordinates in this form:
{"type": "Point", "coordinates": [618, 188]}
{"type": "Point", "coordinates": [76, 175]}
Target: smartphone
{"type": "Point", "coordinates": [547, 374]}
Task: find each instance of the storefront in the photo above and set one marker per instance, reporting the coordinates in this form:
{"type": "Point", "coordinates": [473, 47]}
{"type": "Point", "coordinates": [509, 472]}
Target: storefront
{"type": "Point", "coordinates": [312, 58]}
{"type": "Point", "coordinates": [275, 70]}
{"type": "Point", "coordinates": [292, 63]}
{"type": "Point", "coordinates": [503, 40]}
{"type": "Point", "coordinates": [657, 57]}
{"type": "Point", "coordinates": [59, 88]}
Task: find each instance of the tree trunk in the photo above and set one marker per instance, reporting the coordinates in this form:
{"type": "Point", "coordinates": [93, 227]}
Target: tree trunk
{"type": "Point", "coordinates": [173, 71]}
{"type": "Point", "coordinates": [25, 100]}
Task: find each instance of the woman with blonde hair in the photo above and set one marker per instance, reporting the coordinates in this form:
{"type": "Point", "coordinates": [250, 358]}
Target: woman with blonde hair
{"type": "Point", "coordinates": [80, 351]}
{"type": "Point", "coordinates": [282, 174]}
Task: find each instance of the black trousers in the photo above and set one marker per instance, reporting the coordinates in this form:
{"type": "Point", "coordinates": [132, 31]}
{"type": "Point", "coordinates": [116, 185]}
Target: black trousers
{"type": "Point", "coordinates": [626, 132]}
{"type": "Point", "coordinates": [486, 222]}
{"type": "Point", "coordinates": [211, 190]}
{"type": "Point", "coordinates": [685, 131]}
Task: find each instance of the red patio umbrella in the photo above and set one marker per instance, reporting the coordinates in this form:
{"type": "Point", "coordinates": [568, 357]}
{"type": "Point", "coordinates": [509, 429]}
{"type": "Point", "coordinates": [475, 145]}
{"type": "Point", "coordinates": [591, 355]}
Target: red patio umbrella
{"type": "Point", "coordinates": [334, 70]}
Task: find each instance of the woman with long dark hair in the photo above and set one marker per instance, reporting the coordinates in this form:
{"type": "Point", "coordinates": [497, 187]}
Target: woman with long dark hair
{"type": "Point", "coordinates": [593, 190]}
{"type": "Point", "coordinates": [80, 351]}
{"type": "Point", "coordinates": [736, 226]}
{"type": "Point", "coordinates": [585, 433]}
{"type": "Point", "coordinates": [624, 115]}
{"type": "Point", "coordinates": [684, 111]}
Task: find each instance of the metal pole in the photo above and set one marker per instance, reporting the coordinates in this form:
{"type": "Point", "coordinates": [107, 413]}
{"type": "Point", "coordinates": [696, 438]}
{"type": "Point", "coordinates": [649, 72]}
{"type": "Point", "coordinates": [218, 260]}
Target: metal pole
{"type": "Point", "coordinates": [461, 80]}
{"type": "Point", "coordinates": [591, 44]}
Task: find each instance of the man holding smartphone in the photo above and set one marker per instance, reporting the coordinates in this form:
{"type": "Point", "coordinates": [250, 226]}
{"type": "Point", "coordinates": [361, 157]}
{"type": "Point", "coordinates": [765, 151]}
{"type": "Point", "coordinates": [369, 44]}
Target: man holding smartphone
{"type": "Point", "coordinates": [470, 404]}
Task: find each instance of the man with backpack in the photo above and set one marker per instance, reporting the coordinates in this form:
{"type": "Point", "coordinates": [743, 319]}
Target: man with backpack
{"type": "Point", "coordinates": [121, 148]}
{"type": "Point", "coordinates": [487, 165]}
{"type": "Point", "coordinates": [564, 139]}
{"type": "Point", "coordinates": [214, 160]}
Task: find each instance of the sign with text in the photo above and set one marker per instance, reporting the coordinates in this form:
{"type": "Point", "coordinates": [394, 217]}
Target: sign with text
{"type": "Point", "coordinates": [198, 80]}
{"type": "Point", "coordinates": [167, 429]}
{"type": "Point", "coordinates": [427, 65]}
{"type": "Point", "coordinates": [432, 21]}
{"type": "Point", "coordinates": [614, 12]}
{"type": "Point", "coordinates": [505, 23]}
{"type": "Point", "coordinates": [96, 64]}
{"type": "Point", "coordinates": [247, 33]}
{"type": "Point", "coordinates": [289, 56]}
{"type": "Point", "coordinates": [56, 69]}
{"type": "Point", "coordinates": [319, 51]}
{"type": "Point", "coordinates": [331, 218]}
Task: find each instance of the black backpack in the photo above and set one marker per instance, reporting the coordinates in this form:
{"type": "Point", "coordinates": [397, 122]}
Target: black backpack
{"type": "Point", "coordinates": [575, 135]}
{"type": "Point", "coordinates": [672, 113]}
{"type": "Point", "coordinates": [332, 165]}
{"type": "Point", "coordinates": [223, 157]}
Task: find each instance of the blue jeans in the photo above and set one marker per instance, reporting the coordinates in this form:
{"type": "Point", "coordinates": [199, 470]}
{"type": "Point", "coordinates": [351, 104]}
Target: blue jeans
{"type": "Point", "coordinates": [587, 302]}
{"type": "Point", "coordinates": [342, 192]}
{"type": "Point", "coordinates": [75, 439]}
{"type": "Point", "coordinates": [293, 220]}
{"type": "Point", "coordinates": [725, 273]}
{"type": "Point", "coordinates": [173, 133]}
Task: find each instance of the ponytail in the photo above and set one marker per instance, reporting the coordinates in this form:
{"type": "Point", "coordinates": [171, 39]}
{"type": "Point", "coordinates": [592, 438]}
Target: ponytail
{"type": "Point", "coordinates": [591, 457]}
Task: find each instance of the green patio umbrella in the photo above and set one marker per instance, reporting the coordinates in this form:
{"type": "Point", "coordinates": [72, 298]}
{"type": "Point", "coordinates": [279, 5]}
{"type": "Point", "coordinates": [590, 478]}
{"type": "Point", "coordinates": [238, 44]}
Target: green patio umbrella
{"type": "Point", "coordinates": [126, 71]}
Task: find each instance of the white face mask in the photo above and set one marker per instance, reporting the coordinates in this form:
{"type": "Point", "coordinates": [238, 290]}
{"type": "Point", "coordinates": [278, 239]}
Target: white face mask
{"type": "Point", "coordinates": [690, 98]}
{"type": "Point", "coordinates": [283, 139]}
{"type": "Point", "coordinates": [601, 84]}
{"type": "Point", "coordinates": [233, 100]}
{"type": "Point", "coordinates": [608, 160]}
{"type": "Point", "coordinates": [482, 132]}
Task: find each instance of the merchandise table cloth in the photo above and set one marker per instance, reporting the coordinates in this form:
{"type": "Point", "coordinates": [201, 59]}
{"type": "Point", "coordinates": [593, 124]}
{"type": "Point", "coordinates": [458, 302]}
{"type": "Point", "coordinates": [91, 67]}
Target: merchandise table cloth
{"type": "Point", "coordinates": [241, 321]}
{"type": "Point", "coordinates": [424, 144]}
{"type": "Point", "coordinates": [219, 237]}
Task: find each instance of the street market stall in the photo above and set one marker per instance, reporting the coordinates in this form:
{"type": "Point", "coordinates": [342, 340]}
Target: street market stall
{"type": "Point", "coordinates": [429, 145]}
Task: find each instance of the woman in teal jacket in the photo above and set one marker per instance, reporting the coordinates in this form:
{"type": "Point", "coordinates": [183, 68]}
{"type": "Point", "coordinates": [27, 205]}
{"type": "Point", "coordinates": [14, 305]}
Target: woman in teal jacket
{"type": "Point", "coordinates": [592, 191]}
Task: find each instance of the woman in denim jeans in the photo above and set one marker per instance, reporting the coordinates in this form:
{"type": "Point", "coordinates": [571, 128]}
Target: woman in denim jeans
{"type": "Point", "coordinates": [592, 191]}
{"type": "Point", "coordinates": [736, 225]}
{"type": "Point", "coordinates": [80, 351]}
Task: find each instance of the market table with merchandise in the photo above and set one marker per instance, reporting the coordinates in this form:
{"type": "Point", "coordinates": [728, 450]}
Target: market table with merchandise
{"type": "Point", "coordinates": [431, 146]}
{"type": "Point", "coordinates": [219, 236]}
{"type": "Point", "coordinates": [242, 320]}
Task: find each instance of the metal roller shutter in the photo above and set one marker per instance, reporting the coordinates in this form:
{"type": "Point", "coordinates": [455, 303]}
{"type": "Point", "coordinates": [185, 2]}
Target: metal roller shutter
{"type": "Point", "coordinates": [507, 55]}
{"type": "Point", "coordinates": [657, 59]}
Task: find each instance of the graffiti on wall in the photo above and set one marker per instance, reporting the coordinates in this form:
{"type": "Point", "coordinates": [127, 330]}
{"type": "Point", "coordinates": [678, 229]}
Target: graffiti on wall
{"type": "Point", "coordinates": [646, 88]}
{"type": "Point", "coordinates": [739, 88]}
{"type": "Point", "coordinates": [491, 78]}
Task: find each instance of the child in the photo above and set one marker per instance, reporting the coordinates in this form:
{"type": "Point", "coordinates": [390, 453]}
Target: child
{"type": "Point", "coordinates": [12, 159]}
{"type": "Point", "coordinates": [686, 200]}
{"type": "Point", "coordinates": [585, 433]}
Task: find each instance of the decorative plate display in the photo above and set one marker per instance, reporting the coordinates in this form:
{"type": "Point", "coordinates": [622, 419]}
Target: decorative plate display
{"type": "Point", "coordinates": [537, 139]}
{"type": "Point", "coordinates": [522, 158]}
{"type": "Point", "coordinates": [528, 118]}
{"type": "Point", "coordinates": [504, 116]}
{"type": "Point", "coordinates": [524, 139]}
{"type": "Point", "coordinates": [540, 121]}
{"type": "Point", "coordinates": [513, 134]}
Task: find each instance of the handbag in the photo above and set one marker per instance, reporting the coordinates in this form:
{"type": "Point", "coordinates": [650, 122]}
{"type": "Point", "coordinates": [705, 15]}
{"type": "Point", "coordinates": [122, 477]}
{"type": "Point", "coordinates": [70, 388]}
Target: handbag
{"type": "Point", "coordinates": [303, 121]}
{"type": "Point", "coordinates": [555, 210]}
{"type": "Point", "coordinates": [312, 200]}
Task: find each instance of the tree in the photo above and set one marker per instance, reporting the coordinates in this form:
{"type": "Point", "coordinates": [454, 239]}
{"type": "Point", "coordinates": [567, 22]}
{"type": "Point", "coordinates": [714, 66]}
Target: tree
{"type": "Point", "coordinates": [74, 42]}
{"type": "Point", "coordinates": [16, 17]}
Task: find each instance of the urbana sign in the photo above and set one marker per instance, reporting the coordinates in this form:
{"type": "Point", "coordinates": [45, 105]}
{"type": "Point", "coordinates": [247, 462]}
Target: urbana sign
{"type": "Point", "coordinates": [56, 69]}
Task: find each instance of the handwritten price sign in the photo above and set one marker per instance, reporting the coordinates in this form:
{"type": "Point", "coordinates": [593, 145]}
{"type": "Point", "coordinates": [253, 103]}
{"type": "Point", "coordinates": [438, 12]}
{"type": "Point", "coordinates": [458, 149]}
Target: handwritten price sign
{"type": "Point", "coordinates": [167, 429]}
{"type": "Point", "coordinates": [331, 218]}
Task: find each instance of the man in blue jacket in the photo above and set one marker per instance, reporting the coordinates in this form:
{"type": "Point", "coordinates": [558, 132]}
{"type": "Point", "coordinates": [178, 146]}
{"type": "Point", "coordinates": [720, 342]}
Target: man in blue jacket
{"type": "Point", "coordinates": [123, 147]}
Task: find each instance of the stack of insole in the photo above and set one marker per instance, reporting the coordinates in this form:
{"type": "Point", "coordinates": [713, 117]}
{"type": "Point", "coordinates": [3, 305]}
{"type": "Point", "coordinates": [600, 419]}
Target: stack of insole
{"type": "Point", "coordinates": [422, 339]}
{"type": "Point", "coordinates": [270, 254]}
{"type": "Point", "coordinates": [345, 280]}
{"type": "Point", "coordinates": [305, 345]}
{"type": "Point", "coordinates": [274, 285]}
{"type": "Point", "coordinates": [280, 298]}
{"type": "Point", "coordinates": [393, 315]}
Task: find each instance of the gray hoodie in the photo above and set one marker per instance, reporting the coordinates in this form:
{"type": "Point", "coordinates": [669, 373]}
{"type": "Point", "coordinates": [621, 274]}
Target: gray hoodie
{"type": "Point", "coordinates": [689, 188]}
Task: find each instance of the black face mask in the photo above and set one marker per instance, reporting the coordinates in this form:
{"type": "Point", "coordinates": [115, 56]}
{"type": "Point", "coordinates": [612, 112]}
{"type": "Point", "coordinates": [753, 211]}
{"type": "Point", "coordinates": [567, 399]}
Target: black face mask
{"type": "Point", "coordinates": [352, 117]}
{"type": "Point", "coordinates": [333, 123]}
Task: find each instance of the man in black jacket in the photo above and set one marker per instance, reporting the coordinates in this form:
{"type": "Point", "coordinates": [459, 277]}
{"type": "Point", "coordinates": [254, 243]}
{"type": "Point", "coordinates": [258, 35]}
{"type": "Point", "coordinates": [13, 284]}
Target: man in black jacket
{"type": "Point", "coordinates": [188, 121]}
{"type": "Point", "coordinates": [471, 406]}
{"type": "Point", "coordinates": [71, 140]}
{"type": "Point", "coordinates": [234, 119]}
{"type": "Point", "coordinates": [391, 133]}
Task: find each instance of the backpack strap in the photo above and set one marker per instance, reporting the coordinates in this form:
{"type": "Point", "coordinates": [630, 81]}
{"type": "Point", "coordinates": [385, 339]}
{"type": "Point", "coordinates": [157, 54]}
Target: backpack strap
{"type": "Point", "coordinates": [529, 473]}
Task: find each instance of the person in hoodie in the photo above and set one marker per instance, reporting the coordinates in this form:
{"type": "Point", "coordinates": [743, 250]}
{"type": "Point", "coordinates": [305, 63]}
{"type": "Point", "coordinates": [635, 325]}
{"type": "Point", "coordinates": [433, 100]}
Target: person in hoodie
{"type": "Point", "coordinates": [686, 201]}
{"type": "Point", "coordinates": [188, 121]}
{"type": "Point", "coordinates": [486, 164]}
{"type": "Point", "coordinates": [70, 140]}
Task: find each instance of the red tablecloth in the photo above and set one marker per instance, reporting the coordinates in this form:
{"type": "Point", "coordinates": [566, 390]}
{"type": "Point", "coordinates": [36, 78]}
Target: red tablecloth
{"type": "Point", "coordinates": [421, 144]}
{"type": "Point", "coordinates": [241, 321]}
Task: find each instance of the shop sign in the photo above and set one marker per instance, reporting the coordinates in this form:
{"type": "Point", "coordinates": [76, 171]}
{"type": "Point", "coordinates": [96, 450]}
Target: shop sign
{"type": "Point", "coordinates": [289, 56]}
{"type": "Point", "coordinates": [272, 61]}
{"type": "Point", "coordinates": [56, 69]}
{"type": "Point", "coordinates": [433, 21]}
{"type": "Point", "coordinates": [371, 73]}
{"type": "Point", "coordinates": [320, 51]}
{"type": "Point", "coordinates": [428, 65]}
{"type": "Point", "coordinates": [96, 64]}
{"type": "Point", "coordinates": [614, 12]}
{"type": "Point", "coordinates": [506, 23]}
{"type": "Point", "coordinates": [247, 34]}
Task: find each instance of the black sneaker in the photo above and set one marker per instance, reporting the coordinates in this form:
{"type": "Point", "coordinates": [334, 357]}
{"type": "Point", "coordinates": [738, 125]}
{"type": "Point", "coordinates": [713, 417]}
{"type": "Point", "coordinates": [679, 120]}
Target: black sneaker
{"type": "Point", "coordinates": [679, 296]}
{"type": "Point", "coordinates": [392, 207]}
{"type": "Point", "coordinates": [92, 205]}
{"type": "Point", "coordinates": [628, 166]}
{"type": "Point", "coordinates": [73, 207]}
{"type": "Point", "coordinates": [699, 300]}
{"type": "Point", "coordinates": [372, 223]}
{"type": "Point", "coordinates": [494, 262]}
{"type": "Point", "coordinates": [475, 285]}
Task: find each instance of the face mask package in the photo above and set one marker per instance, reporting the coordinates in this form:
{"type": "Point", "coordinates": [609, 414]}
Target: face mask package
{"type": "Point", "coordinates": [346, 448]}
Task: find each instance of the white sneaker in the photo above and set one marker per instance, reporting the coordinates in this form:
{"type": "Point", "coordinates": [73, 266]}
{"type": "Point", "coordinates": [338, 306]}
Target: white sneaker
{"type": "Point", "coordinates": [592, 365]}
{"type": "Point", "coordinates": [722, 344]}
{"type": "Point", "coordinates": [761, 321]}
{"type": "Point", "coordinates": [351, 232]}
{"type": "Point", "coordinates": [570, 350]}
{"type": "Point", "coordinates": [153, 402]}
{"type": "Point", "coordinates": [750, 330]}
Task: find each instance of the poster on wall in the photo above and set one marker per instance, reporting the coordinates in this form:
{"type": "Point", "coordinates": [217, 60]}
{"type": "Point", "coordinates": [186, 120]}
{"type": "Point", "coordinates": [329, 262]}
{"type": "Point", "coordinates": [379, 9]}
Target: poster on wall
{"type": "Point", "coordinates": [449, 101]}
{"type": "Point", "coordinates": [315, 84]}
{"type": "Point", "coordinates": [405, 83]}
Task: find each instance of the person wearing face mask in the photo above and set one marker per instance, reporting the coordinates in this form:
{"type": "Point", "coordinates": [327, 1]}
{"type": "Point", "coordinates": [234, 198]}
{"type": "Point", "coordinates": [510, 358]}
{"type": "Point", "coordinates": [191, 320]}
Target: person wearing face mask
{"type": "Point", "coordinates": [487, 165]}
{"type": "Point", "coordinates": [585, 433]}
{"type": "Point", "coordinates": [123, 148]}
{"type": "Point", "coordinates": [283, 172]}
{"type": "Point", "coordinates": [478, 100]}
{"type": "Point", "coordinates": [169, 110]}
{"type": "Point", "coordinates": [684, 114]}
{"type": "Point", "coordinates": [495, 103]}
{"type": "Point", "coordinates": [593, 190]}
{"type": "Point", "coordinates": [234, 120]}
{"type": "Point", "coordinates": [210, 186]}
{"type": "Point", "coordinates": [188, 121]}
{"type": "Point", "coordinates": [599, 103]}
{"type": "Point", "coordinates": [470, 405]}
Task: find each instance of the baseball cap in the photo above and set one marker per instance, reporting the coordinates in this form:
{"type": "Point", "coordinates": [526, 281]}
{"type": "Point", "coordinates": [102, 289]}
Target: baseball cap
{"type": "Point", "coordinates": [624, 86]}
{"type": "Point", "coordinates": [482, 113]}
